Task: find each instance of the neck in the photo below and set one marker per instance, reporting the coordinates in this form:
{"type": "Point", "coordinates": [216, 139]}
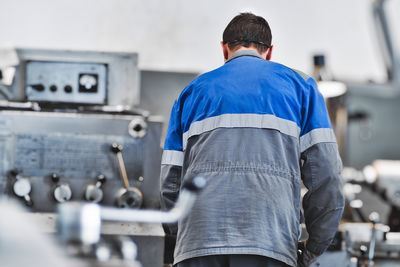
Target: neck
{"type": "Point", "coordinates": [242, 48]}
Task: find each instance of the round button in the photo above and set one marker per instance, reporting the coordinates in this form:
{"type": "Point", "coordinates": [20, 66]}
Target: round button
{"type": "Point", "coordinates": [68, 89]}
{"type": "Point", "coordinates": [53, 88]}
{"type": "Point", "coordinates": [137, 128]}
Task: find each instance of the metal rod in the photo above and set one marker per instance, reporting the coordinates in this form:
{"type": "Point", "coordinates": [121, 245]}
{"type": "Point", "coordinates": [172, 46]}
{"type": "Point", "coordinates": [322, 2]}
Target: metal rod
{"type": "Point", "coordinates": [385, 39]}
{"type": "Point", "coordinates": [123, 170]}
{"type": "Point", "coordinates": [181, 209]}
{"type": "Point", "coordinates": [374, 218]}
{"type": "Point", "coordinates": [371, 249]}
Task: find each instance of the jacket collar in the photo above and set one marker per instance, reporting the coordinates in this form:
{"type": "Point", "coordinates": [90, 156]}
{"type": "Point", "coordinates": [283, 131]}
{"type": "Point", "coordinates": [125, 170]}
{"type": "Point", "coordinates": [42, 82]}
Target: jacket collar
{"type": "Point", "coordinates": [240, 53]}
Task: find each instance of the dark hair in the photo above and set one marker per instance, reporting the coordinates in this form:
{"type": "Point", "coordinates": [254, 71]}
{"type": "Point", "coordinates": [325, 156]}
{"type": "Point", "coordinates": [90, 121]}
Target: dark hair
{"type": "Point", "coordinates": [248, 29]}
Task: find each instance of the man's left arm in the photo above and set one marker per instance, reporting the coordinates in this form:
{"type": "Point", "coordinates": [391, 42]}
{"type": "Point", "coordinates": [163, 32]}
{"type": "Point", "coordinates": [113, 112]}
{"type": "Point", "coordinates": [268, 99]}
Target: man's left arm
{"type": "Point", "coordinates": [321, 167]}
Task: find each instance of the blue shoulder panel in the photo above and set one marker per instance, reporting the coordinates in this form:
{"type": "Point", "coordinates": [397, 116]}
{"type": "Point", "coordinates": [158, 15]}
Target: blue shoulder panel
{"type": "Point", "coordinates": [248, 85]}
{"type": "Point", "coordinates": [315, 114]}
{"type": "Point", "coordinates": [173, 140]}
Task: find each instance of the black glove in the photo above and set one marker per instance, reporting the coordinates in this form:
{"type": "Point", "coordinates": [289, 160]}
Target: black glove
{"type": "Point", "coordinates": [169, 243]}
{"type": "Point", "coordinates": [305, 257]}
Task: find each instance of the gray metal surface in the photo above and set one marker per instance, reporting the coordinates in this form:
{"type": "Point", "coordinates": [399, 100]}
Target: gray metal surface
{"type": "Point", "coordinates": [61, 155]}
{"type": "Point", "coordinates": [81, 223]}
{"type": "Point", "coordinates": [385, 38]}
{"type": "Point", "coordinates": [77, 147]}
{"type": "Point", "coordinates": [159, 90]}
{"type": "Point", "coordinates": [376, 137]}
{"type": "Point", "coordinates": [23, 244]}
{"type": "Point", "coordinates": [148, 237]}
{"type": "Point", "coordinates": [83, 83]}
{"type": "Point", "coordinates": [123, 77]}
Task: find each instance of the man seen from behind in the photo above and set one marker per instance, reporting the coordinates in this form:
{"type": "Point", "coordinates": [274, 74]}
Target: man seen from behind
{"type": "Point", "coordinates": [255, 129]}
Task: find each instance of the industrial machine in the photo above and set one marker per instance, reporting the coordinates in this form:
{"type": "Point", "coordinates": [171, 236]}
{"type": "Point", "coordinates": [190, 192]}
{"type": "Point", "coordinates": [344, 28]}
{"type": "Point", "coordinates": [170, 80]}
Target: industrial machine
{"type": "Point", "coordinates": [86, 235]}
{"type": "Point", "coordinates": [364, 240]}
{"type": "Point", "coordinates": [71, 131]}
{"type": "Point", "coordinates": [372, 183]}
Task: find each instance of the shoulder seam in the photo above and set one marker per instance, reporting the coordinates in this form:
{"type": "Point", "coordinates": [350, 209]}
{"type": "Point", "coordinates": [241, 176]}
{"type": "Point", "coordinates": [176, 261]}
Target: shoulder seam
{"type": "Point", "coordinates": [301, 74]}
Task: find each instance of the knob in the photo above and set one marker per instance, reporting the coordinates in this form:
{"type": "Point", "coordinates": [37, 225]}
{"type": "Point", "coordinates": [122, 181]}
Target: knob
{"type": "Point", "coordinates": [62, 193]}
{"type": "Point", "coordinates": [87, 82]}
{"type": "Point", "coordinates": [195, 184]}
{"type": "Point", "coordinates": [102, 252]}
{"type": "Point", "coordinates": [130, 197]}
{"type": "Point", "coordinates": [363, 250]}
{"type": "Point", "coordinates": [374, 217]}
{"type": "Point", "coordinates": [116, 148]}
{"type": "Point", "coordinates": [101, 179]}
{"type": "Point", "coordinates": [22, 188]}
{"type": "Point", "coordinates": [94, 193]}
{"type": "Point", "coordinates": [137, 128]}
{"type": "Point", "coordinates": [55, 177]}
{"type": "Point", "coordinates": [68, 89]}
{"type": "Point", "coordinates": [38, 87]}
{"type": "Point", "coordinates": [53, 88]}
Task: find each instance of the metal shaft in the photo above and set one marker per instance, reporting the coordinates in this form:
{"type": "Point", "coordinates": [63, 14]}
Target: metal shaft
{"type": "Point", "coordinates": [123, 170]}
{"type": "Point", "coordinates": [374, 218]}
{"type": "Point", "coordinates": [181, 209]}
{"type": "Point", "coordinates": [371, 249]}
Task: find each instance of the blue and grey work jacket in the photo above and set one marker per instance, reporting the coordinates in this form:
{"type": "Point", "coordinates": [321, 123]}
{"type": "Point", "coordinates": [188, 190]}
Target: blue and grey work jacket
{"type": "Point", "coordinates": [255, 129]}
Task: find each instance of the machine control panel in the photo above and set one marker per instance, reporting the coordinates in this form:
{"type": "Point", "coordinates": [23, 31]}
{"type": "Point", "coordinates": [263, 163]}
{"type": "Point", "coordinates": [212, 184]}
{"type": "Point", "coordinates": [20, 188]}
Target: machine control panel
{"type": "Point", "coordinates": [66, 82]}
{"type": "Point", "coordinates": [48, 158]}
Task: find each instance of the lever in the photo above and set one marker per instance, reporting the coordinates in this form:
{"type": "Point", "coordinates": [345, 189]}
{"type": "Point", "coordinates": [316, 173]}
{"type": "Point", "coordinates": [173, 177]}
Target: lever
{"type": "Point", "coordinates": [128, 197]}
{"type": "Point", "coordinates": [374, 219]}
{"type": "Point", "coordinates": [116, 148]}
{"type": "Point", "coordinates": [72, 226]}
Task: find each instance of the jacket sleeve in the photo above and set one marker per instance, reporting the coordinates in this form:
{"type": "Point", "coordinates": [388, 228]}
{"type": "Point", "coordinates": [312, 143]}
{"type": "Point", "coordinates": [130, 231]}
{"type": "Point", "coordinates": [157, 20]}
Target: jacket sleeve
{"type": "Point", "coordinates": [320, 170]}
{"type": "Point", "coordinates": [171, 164]}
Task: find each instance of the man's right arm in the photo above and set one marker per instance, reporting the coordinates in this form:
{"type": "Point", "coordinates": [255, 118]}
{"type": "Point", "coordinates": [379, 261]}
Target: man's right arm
{"type": "Point", "coordinates": [170, 185]}
{"type": "Point", "coordinates": [171, 164]}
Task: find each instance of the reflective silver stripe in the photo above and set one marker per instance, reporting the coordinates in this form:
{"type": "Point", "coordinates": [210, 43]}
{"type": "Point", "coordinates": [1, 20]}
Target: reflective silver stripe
{"type": "Point", "coordinates": [172, 157]}
{"type": "Point", "coordinates": [322, 135]}
{"type": "Point", "coordinates": [241, 121]}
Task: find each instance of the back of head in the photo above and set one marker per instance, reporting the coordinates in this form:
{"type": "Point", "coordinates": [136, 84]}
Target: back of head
{"type": "Point", "coordinates": [247, 29]}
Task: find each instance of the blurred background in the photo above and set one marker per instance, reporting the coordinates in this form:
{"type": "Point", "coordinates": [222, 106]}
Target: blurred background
{"type": "Point", "coordinates": [184, 36]}
{"type": "Point", "coordinates": [82, 78]}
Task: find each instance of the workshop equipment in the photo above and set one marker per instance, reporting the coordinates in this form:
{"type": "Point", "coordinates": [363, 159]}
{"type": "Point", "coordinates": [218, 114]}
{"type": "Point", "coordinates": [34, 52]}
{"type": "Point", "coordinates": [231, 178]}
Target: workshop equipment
{"type": "Point", "coordinates": [59, 119]}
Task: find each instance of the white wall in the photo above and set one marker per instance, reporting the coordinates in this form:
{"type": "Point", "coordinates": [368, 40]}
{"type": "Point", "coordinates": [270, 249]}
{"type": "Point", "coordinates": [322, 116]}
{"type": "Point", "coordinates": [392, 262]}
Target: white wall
{"type": "Point", "coordinates": [184, 35]}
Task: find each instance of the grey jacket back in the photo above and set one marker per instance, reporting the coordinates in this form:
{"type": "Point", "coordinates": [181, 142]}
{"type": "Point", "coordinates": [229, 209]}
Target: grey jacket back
{"type": "Point", "coordinates": [254, 171]}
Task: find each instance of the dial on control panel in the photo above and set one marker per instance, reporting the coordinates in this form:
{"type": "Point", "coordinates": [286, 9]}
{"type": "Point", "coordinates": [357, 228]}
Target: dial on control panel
{"type": "Point", "coordinates": [62, 191]}
{"type": "Point", "coordinates": [94, 193]}
{"type": "Point", "coordinates": [22, 188]}
{"type": "Point", "coordinates": [130, 197]}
